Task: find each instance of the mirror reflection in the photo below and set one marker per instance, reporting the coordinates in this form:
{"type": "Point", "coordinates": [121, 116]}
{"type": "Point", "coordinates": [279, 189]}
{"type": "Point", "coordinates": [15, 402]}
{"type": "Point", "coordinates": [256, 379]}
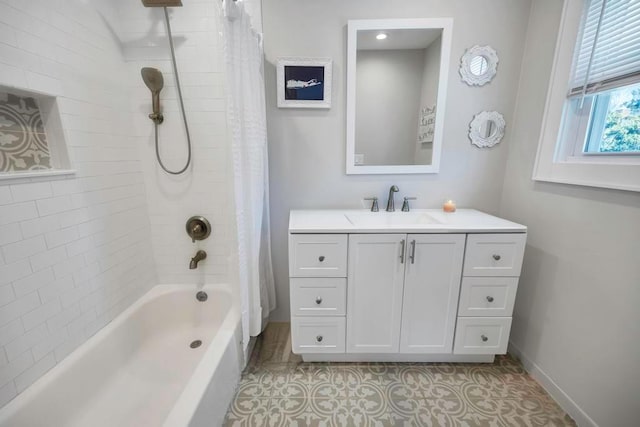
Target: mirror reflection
{"type": "Point", "coordinates": [397, 76]}
{"type": "Point", "coordinates": [488, 129]}
{"type": "Point", "coordinates": [478, 65]}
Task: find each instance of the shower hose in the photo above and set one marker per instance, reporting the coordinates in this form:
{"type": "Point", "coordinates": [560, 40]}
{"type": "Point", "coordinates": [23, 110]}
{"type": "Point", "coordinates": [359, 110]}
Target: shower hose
{"type": "Point", "coordinates": [184, 116]}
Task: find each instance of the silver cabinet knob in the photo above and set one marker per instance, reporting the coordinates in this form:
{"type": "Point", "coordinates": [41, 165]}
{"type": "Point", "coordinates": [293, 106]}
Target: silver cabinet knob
{"type": "Point", "coordinates": [318, 300]}
{"type": "Point", "coordinates": [496, 257]}
{"type": "Point", "coordinates": [484, 338]}
{"type": "Point", "coordinates": [490, 299]}
{"type": "Point", "coordinates": [321, 258]}
{"type": "Point", "coordinates": [319, 338]}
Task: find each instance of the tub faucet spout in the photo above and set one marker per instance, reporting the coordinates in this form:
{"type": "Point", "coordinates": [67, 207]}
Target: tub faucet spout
{"type": "Point", "coordinates": [200, 255]}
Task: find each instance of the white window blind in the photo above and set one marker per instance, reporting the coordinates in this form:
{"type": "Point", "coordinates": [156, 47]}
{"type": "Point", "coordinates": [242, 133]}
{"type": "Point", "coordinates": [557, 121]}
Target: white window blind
{"type": "Point", "coordinates": [608, 49]}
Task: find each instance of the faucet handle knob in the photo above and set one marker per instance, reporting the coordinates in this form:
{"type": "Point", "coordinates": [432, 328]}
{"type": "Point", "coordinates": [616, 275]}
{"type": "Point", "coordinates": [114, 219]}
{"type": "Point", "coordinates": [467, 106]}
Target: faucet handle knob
{"type": "Point", "coordinates": [198, 228]}
{"type": "Point", "coordinates": [374, 205]}
{"type": "Point", "coordinates": [405, 203]}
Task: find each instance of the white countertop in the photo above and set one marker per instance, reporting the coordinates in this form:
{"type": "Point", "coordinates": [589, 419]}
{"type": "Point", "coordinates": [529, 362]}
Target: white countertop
{"type": "Point", "coordinates": [338, 221]}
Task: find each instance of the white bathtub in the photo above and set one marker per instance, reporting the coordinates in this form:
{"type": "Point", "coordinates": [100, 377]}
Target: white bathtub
{"type": "Point", "coordinates": [140, 370]}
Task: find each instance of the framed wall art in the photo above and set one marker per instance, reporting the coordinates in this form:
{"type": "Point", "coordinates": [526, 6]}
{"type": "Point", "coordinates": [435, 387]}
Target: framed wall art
{"type": "Point", "coordinates": [304, 82]}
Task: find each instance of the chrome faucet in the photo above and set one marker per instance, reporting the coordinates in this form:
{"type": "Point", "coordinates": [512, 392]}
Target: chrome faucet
{"type": "Point", "coordinates": [391, 207]}
{"type": "Point", "coordinates": [200, 255]}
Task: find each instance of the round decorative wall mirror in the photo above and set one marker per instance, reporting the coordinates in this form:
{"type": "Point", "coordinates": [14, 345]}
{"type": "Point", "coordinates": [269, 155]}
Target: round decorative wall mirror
{"type": "Point", "coordinates": [478, 65]}
{"type": "Point", "coordinates": [486, 129]}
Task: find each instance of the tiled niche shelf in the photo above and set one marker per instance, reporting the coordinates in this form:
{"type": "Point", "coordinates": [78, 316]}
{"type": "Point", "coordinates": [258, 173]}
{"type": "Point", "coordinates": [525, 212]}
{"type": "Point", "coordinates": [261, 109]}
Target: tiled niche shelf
{"type": "Point", "coordinates": [32, 143]}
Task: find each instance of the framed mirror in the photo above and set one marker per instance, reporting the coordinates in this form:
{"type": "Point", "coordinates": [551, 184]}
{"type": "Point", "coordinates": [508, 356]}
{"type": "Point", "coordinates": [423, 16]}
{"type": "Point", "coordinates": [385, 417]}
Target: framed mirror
{"type": "Point", "coordinates": [397, 73]}
{"type": "Point", "coordinates": [478, 65]}
{"type": "Point", "coordinates": [486, 129]}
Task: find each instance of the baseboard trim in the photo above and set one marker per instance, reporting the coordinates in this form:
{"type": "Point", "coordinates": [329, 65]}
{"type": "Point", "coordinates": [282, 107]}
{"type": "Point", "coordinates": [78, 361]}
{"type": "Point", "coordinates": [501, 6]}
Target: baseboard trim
{"type": "Point", "coordinates": [566, 403]}
{"type": "Point", "coordinates": [397, 357]}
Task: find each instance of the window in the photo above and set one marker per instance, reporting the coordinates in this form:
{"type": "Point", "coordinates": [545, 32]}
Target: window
{"type": "Point", "coordinates": [615, 122]}
{"type": "Point", "coordinates": [606, 70]}
{"type": "Point", "coordinates": [591, 129]}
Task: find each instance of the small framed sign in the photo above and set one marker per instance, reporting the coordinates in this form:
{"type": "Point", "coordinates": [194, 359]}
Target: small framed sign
{"type": "Point", "coordinates": [304, 82]}
{"type": "Point", "coordinates": [427, 124]}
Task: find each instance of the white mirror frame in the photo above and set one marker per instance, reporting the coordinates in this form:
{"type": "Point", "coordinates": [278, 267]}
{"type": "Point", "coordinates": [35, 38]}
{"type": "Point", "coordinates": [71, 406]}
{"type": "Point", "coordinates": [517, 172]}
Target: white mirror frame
{"type": "Point", "coordinates": [446, 24]}
{"type": "Point", "coordinates": [489, 54]}
{"type": "Point", "coordinates": [477, 122]}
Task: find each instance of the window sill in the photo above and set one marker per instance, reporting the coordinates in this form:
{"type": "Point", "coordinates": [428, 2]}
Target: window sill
{"type": "Point", "coordinates": [36, 176]}
{"type": "Point", "coordinates": [614, 176]}
{"type": "Point", "coordinates": [604, 159]}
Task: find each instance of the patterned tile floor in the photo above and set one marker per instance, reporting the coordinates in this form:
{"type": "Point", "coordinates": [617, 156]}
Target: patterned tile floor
{"type": "Point", "coordinates": [278, 389]}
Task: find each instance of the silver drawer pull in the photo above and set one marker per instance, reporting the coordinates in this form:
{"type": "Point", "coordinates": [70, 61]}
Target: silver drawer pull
{"type": "Point", "coordinates": [319, 338]}
{"type": "Point", "coordinates": [490, 299]}
{"type": "Point", "coordinates": [496, 257]}
{"type": "Point", "coordinates": [412, 257]}
{"type": "Point", "coordinates": [321, 258]}
{"type": "Point", "coordinates": [318, 300]}
{"type": "Point", "coordinates": [484, 338]}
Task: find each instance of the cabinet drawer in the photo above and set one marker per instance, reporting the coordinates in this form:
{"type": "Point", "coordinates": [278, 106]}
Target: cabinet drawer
{"type": "Point", "coordinates": [494, 254]}
{"type": "Point", "coordinates": [487, 296]}
{"type": "Point", "coordinates": [318, 296]}
{"type": "Point", "coordinates": [482, 335]}
{"type": "Point", "coordinates": [318, 334]}
{"type": "Point", "coordinates": [318, 255]}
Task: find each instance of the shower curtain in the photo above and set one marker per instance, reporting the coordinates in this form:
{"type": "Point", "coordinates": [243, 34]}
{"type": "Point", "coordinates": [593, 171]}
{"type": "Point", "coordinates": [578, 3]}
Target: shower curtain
{"type": "Point", "coordinates": [246, 117]}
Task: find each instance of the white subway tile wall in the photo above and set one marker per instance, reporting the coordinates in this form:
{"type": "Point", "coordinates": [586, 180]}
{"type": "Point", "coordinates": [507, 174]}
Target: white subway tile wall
{"type": "Point", "coordinates": [206, 189]}
{"type": "Point", "coordinates": [74, 252]}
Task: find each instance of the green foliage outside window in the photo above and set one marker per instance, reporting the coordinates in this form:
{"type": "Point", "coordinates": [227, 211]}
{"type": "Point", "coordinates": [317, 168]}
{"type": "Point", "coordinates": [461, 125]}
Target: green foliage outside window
{"type": "Point", "coordinates": [622, 125]}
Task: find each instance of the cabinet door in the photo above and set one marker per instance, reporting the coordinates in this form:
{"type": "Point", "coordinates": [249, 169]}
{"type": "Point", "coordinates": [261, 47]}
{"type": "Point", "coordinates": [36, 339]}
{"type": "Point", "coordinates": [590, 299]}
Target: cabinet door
{"type": "Point", "coordinates": [374, 292]}
{"type": "Point", "coordinates": [431, 290]}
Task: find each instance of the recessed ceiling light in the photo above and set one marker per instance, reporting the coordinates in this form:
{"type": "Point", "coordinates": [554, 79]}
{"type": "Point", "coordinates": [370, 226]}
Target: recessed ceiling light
{"type": "Point", "coordinates": [381, 36]}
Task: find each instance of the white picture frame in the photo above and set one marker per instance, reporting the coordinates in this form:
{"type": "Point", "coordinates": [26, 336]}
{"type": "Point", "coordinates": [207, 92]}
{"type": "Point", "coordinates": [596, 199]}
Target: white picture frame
{"type": "Point", "coordinates": [304, 82]}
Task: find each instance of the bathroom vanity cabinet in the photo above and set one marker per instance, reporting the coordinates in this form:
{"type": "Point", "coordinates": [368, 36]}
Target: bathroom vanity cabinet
{"type": "Point", "coordinates": [426, 286]}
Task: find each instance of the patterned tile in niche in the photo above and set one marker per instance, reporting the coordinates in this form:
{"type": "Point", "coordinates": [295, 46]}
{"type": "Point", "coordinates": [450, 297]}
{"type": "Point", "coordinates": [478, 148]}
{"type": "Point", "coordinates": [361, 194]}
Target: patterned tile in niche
{"type": "Point", "coordinates": [278, 389]}
{"type": "Point", "coordinates": [23, 143]}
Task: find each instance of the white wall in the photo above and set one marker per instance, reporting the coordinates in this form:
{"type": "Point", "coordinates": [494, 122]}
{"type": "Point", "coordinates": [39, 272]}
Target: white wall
{"type": "Point", "coordinates": [576, 316]}
{"type": "Point", "coordinates": [388, 83]}
{"type": "Point", "coordinates": [74, 252]}
{"type": "Point", "coordinates": [429, 94]}
{"type": "Point", "coordinates": [205, 189]}
{"type": "Point", "coordinates": [307, 147]}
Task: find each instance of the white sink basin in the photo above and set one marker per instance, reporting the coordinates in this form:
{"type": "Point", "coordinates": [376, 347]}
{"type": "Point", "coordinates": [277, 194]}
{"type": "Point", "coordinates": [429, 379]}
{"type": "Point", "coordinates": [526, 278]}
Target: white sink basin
{"type": "Point", "coordinates": [390, 219]}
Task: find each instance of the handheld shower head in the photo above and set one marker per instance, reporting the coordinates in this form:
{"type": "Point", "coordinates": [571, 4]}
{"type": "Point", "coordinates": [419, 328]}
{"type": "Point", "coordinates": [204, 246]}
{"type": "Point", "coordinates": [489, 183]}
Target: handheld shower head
{"type": "Point", "coordinates": [152, 77]}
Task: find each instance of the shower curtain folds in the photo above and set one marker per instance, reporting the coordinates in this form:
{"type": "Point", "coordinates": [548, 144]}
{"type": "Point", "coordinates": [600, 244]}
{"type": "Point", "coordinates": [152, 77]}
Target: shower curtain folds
{"type": "Point", "coordinates": [246, 117]}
